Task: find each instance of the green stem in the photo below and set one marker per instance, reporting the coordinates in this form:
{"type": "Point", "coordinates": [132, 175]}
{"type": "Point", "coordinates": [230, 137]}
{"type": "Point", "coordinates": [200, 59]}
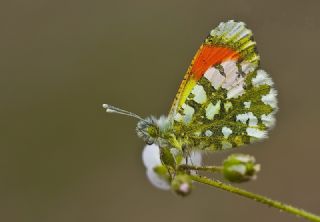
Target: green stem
{"type": "Point", "coordinates": [211, 169]}
{"type": "Point", "coordinates": [256, 197]}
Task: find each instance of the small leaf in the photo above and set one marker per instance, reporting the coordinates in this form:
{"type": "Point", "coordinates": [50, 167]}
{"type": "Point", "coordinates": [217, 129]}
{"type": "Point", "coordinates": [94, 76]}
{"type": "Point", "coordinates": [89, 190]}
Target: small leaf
{"type": "Point", "coordinates": [167, 157]}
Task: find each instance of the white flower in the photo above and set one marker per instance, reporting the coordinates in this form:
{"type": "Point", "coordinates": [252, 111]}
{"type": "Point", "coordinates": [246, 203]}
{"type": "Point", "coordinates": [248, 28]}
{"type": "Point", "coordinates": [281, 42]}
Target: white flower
{"type": "Point", "coordinates": [151, 159]}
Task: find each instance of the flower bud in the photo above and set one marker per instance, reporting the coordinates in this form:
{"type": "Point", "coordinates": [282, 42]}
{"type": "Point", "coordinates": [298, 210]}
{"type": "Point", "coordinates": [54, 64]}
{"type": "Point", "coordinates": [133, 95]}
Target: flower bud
{"type": "Point", "coordinates": [182, 184]}
{"type": "Point", "coordinates": [240, 168]}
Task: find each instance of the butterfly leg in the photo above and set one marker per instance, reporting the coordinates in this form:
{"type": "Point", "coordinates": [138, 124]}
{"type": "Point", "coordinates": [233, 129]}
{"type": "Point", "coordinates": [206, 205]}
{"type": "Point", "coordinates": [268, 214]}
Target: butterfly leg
{"type": "Point", "coordinates": [185, 155]}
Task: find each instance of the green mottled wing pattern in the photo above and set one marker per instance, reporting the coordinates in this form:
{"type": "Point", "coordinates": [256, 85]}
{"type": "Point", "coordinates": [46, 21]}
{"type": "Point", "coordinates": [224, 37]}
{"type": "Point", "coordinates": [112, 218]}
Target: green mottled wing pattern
{"type": "Point", "coordinates": [234, 101]}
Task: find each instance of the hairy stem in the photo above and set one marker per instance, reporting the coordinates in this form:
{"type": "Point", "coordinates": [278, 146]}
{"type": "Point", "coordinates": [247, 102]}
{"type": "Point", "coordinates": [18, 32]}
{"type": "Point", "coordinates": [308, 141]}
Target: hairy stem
{"type": "Point", "coordinates": [211, 169]}
{"type": "Point", "coordinates": [256, 197]}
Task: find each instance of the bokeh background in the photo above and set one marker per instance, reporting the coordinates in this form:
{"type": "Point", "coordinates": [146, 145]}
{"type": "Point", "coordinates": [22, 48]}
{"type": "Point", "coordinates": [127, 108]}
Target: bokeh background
{"type": "Point", "coordinates": [64, 159]}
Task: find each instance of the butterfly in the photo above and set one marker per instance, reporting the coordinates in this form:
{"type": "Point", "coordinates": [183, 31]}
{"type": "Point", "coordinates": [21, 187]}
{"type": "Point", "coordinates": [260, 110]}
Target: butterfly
{"type": "Point", "coordinates": [225, 100]}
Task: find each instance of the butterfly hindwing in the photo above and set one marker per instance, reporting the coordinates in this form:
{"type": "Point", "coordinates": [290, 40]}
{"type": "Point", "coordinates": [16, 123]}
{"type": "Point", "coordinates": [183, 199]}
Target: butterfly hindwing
{"type": "Point", "coordinates": [225, 100]}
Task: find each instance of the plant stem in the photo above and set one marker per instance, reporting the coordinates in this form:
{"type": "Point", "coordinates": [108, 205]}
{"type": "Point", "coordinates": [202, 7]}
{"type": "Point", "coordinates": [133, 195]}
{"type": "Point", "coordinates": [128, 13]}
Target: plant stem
{"type": "Point", "coordinates": [211, 169]}
{"type": "Point", "coordinates": [256, 197]}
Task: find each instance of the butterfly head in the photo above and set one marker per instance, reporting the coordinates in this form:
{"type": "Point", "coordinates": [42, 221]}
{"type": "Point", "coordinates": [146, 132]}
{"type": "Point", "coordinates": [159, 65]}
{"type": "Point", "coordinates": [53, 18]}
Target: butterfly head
{"type": "Point", "coordinates": [153, 130]}
{"type": "Point", "coordinates": [148, 130]}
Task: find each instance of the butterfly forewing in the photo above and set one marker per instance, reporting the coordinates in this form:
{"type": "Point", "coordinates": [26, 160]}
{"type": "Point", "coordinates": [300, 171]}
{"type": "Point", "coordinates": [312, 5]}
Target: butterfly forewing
{"type": "Point", "coordinates": [225, 100]}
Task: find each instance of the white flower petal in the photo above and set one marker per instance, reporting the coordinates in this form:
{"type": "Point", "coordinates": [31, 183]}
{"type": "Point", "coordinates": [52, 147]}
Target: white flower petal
{"type": "Point", "coordinates": [157, 181]}
{"type": "Point", "coordinates": [151, 156]}
{"type": "Point", "coordinates": [151, 159]}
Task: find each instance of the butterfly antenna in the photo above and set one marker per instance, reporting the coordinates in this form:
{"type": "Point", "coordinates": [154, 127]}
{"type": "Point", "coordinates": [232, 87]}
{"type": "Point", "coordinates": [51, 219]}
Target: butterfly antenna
{"type": "Point", "coordinates": [112, 109]}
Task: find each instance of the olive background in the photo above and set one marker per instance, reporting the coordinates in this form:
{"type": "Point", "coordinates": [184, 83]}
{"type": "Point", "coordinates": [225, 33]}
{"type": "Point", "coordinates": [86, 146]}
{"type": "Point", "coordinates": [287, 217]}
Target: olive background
{"type": "Point", "coordinates": [62, 158]}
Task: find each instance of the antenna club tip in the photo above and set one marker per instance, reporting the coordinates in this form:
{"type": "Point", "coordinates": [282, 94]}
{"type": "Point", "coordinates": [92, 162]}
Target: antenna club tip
{"type": "Point", "coordinates": [106, 106]}
{"type": "Point", "coordinates": [109, 109]}
{"type": "Point", "coordinates": [112, 109]}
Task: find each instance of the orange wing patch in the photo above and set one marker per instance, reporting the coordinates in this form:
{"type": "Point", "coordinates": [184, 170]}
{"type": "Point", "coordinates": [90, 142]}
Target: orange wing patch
{"type": "Point", "coordinates": [209, 56]}
{"type": "Point", "coordinates": [206, 57]}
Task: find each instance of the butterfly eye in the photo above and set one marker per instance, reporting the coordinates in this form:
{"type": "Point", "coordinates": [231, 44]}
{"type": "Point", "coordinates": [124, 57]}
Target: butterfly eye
{"type": "Point", "coordinates": [153, 131]}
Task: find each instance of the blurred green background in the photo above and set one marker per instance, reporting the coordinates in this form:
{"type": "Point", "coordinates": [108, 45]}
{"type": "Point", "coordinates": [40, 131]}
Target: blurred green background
{"type": "Point", "coordinates": [63, 158]}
